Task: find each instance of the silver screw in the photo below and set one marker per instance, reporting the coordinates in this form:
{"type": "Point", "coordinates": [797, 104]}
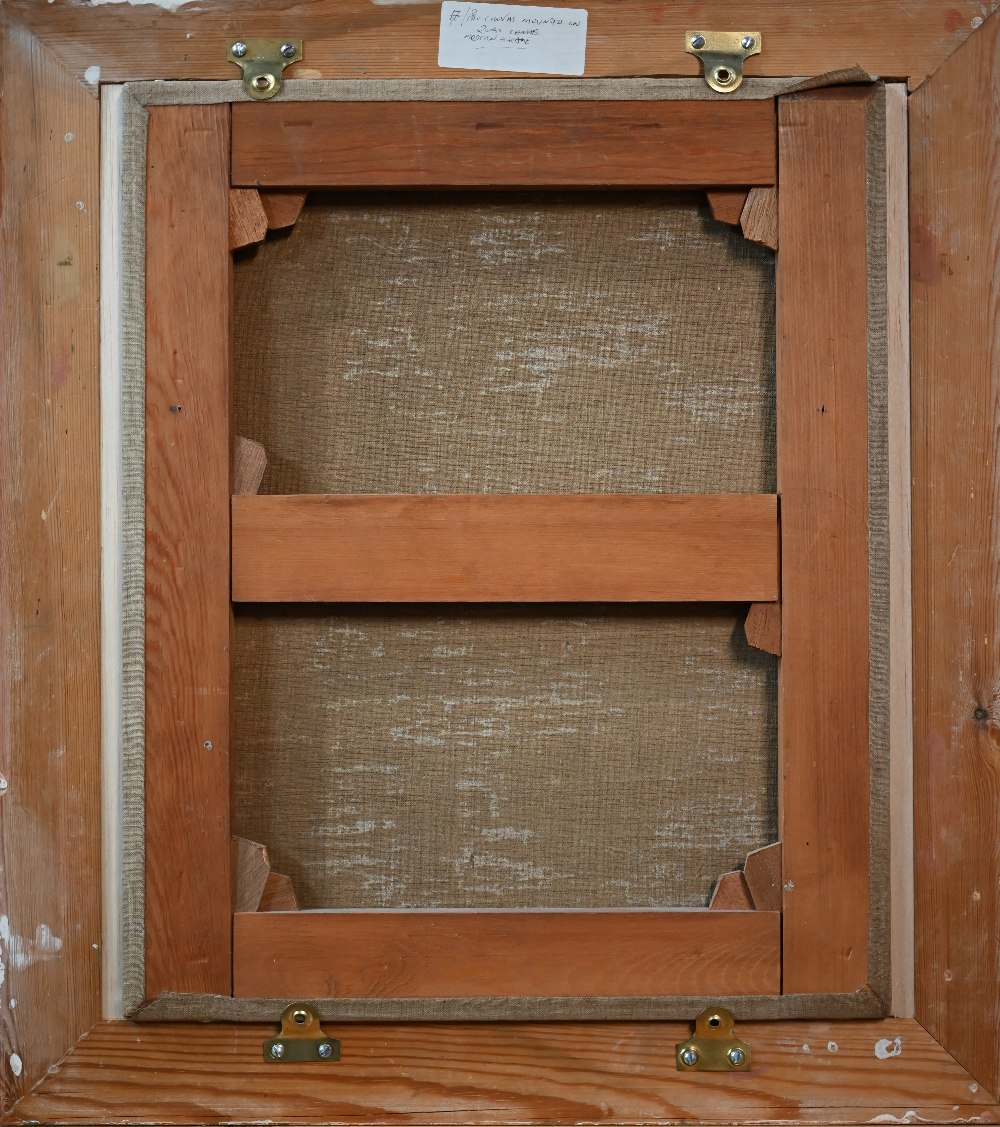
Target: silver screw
{"type": "Point", "coordinates": [288, 50]}
{"type": "Point", "coordinates": [207, 745]}
{"type": "Point", "coordinates": [325, 1050]}
{"type": "Point", "coordinates": [697, 42]}
{"type": "Point", "coordinates": [277, 1051]}
{"type": "Point", "coordinates": [736, 1057]}
{"type": "Point", "coordinates": [747, 42]}
{"type": "Point", "coordinates": [239, 49]}
{"type": "Point", "coordinates": [689, 1056]}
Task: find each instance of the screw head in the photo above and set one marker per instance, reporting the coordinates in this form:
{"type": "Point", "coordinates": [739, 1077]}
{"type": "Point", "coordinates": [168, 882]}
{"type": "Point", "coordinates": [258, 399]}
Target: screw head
{"type": "Point", "coordinates": [239, 49]}
{"type": "Point", "coordinates": [325, 1050]}
{"type": "Point", "coordinates": [689, 1056]}
{"type": "Point", "coordinates": [288, 50]}
{"type": "Point", "coordinates": [747, 42]}
{"type": "Point", "coordinates": [697, 42]}
{"type": "Point", "coordinates": [277, 1051]}
{"type": "Point", "coordinates": [736, 1057]}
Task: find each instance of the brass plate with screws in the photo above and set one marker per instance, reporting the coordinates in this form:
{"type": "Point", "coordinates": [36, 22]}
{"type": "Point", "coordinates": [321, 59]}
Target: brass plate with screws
{"type": "Point", "coordinates": [262, 62]}
{"type": "Point", "coordinates": [714, 1047]}
{"type": "Point", "coordinates": [301, 1038]}
{"type": "Point", "coordinates": [722, 54]}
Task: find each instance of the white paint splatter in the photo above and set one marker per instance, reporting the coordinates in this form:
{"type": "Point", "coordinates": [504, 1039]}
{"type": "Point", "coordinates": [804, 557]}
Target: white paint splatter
{"type": "Point", "coordinates": [832, 1047]}
{"type": "Point", "coordinates": [3, 784]}
{"type": "Point", "coordinates": [909, 1116]}
{"type": "Point", "coordinates": [23, 952]}
{"type": "Point", "coordinates": [70, 137]}
{"type": "Point", "coordinates": [92, 75]}
{"type": "Point", "coordinates": [789, 886]}
{"type": "Point", "coordinates": [805, 1048]}
{"type": "Point", "coordinates": [80, 205]}
{"type": "Point", "coordinates": [13, 1003]}
{"type": "Point", "coordinates": [973, 1087]}
{"type": "Point", "coordinates": [16, 1066]}
{"type": "Point", "coordinates": [976, 22]}
{"type": "Point", "coordinates": [884, 1048]}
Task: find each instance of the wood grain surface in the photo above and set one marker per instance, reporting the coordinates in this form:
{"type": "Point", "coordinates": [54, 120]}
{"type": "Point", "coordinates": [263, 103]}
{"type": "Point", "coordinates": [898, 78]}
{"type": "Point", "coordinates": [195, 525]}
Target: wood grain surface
{"type": "Point", "coordinates": [468, 954]}
{"type": "Point", "coordinates": [502, 548]}
{"type": "Point", "coordinates": [822, 378]}
{"type": "Point", "coordinates": [247, 218]}
{"type": "Point", "coordinates": [356, 39]}
{"type": "Point", "coordinates": [955, 295]}
{"type": "Point", "coordinates": [50, 693]}
{"type": "Point", "coordinates": [731, 894]}
{"type": "Point", "coordinates": [503, 144]}
{"type": "Point", "coordinates": [188, 617]}
{"type": "Point", "coordinates": [563, 1073]}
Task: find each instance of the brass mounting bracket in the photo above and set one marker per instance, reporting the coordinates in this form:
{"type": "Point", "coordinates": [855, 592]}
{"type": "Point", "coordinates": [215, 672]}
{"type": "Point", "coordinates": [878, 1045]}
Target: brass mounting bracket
{"type": "Point", "coordinates": [301, 1038]}
{"type": "Point", "coordinates": [714, 1047]}
{"type": "Point", "coordinates": [722, 54]}
{"type": "Point", "coordinates": [262, 62]}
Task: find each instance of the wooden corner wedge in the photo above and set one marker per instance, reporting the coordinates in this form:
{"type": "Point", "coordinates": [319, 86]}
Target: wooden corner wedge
{"type": "Point", "coordinates": [282, 208]}
{"type": "Point", "coordinates": [279, 895]}
{"type": "Point", "coordinates": [251, 868]}
{"type": "Point", "coordinates": [763, 876]}
{"type": "Point", "coordinates": [763, 627]}
{"type": "Point", "coordinates": [247, 219]}
{"type": "Point", "coordinates": [727, 206]}
{"type": "Point", "coordinates": [759, 218]}
{"type": "Point", "coordinates": [731, 894]}
{"type": "Point", "coordinates": [249, 464]}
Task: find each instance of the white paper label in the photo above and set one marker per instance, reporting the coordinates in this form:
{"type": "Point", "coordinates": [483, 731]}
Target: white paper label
{"type": "Point", "coordinates": [511, 37]}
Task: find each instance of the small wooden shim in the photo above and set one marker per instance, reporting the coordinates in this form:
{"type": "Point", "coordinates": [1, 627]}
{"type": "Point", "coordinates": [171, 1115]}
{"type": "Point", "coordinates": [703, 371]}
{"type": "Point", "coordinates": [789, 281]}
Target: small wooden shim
{"type": "Point", "coordinates": [763, 627]}
{"type": "Point", "coordinates": [727, 205]}
{"type": "Point", "coordinates": [247, 218]}
{"type": "Point", "coordinates": [249, 464]}
{"type": "Point", "coordinates": [759, 218]}
{"type": "Point", "coordinates": [251, 867]}
{"type": "Point", "coordinates": [763, 876]}
{"type": "Point", "coordinates": [731, 894]}
{"type": "Point", "coordinates": [756, 888]}
{"type": "Point", "coordinates": [279, 895]}
{"type": "Point", "coordinates": [282, 208]}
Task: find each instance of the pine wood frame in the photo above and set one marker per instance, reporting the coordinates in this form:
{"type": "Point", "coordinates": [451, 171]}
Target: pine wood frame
{"type": "Point", "coordinates": [50, 749]}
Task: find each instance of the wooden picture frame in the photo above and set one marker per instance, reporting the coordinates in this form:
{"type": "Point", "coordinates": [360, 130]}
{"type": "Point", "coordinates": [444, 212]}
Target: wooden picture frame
{"type": "Point", "coordinates": [51, 749]}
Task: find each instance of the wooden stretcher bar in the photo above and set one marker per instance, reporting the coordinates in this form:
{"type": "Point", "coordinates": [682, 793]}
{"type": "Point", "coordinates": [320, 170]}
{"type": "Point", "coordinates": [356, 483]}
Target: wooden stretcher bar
{"type": "Point", "coordinates": [484, 548]}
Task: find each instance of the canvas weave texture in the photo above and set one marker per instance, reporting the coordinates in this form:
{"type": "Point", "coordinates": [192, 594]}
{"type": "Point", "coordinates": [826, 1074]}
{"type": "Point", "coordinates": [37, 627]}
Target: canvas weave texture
{"type": "Point", "coordinates": [506, 757]}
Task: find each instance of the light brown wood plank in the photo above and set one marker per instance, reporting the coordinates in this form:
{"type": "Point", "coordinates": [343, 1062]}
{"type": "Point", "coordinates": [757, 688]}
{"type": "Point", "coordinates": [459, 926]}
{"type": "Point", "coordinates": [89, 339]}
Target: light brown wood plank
{"type": "Point", "coordinates": [901, 555]}
{"type": "Point", "coordinates": [955, 335]}
{"type": "Point", "coordinates": [502, 1073]}
{"type": "Point", "coordinates": [187, 551]}
{"type": "Point", "coordinates": [356, 39]}
{"type": "Point", "coordinates": [823, 482]}
{"type": "Point", "coordinates": [431, 954]}
{"type": "Point", "coordinates": [50, 636]}
{"type": "Point", "coordinates": [457, 548]}
{"type": "Point", "coordinates": [731, 894]}
{"type": "Point", "coordinates": [542, 144]}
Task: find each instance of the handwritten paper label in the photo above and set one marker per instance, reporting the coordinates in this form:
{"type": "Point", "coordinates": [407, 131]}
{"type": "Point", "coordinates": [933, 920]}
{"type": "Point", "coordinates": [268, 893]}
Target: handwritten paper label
{"type": "Point", "coordinates": [511, 37]}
